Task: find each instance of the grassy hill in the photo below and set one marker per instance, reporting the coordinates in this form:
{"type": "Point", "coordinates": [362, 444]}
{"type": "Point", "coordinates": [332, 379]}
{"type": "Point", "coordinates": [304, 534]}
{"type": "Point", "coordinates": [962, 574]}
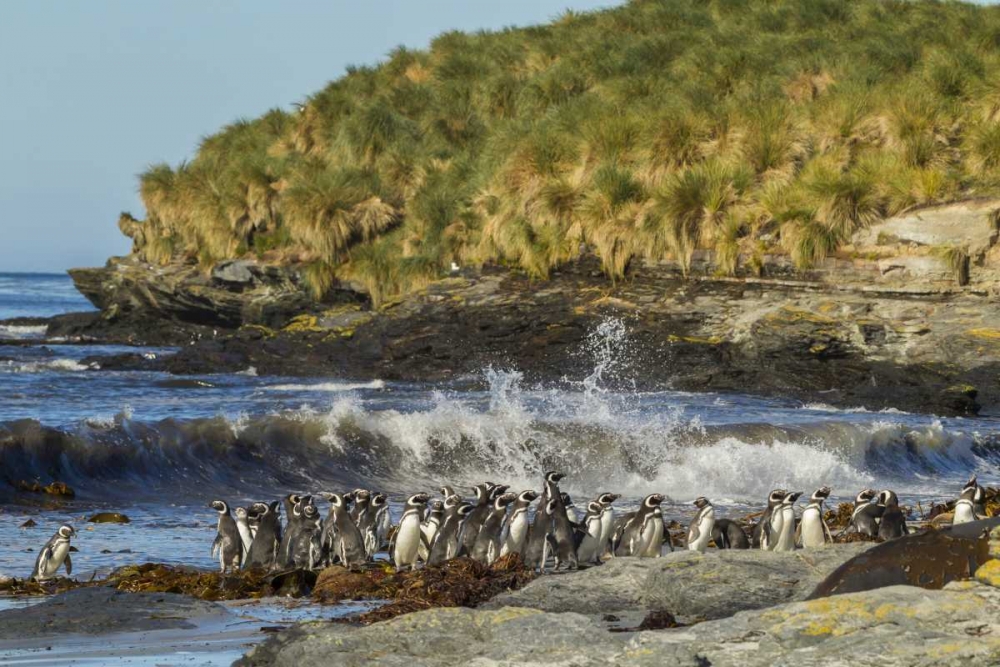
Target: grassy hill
{"type": "Point", "coordinates": [647, 130]}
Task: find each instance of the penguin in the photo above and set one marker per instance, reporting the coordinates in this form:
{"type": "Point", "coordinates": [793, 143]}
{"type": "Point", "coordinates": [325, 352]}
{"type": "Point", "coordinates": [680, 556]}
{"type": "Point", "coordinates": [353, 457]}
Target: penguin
{"type": "Point", "coordinates": [54, 554]}
{"type": "Point", "coordinates": [700, 530]}
{"type": "Point", "coordinates": [570, 508]}
{"type": "Point", "coordinates": [784, 529]}
{"type": "Point", "coordinates": [228, 544]}
{"type": "Point", "coordinates": [813, 531]}
{"type": "Point", "coordinates": [264, 548]}
{"type": "Point", "coordinates": [383, 522]}
{"type": "Point", "coordinates": [294, 505]}
{"type": "Point", "coordinates": [893, 523]}
{"type": "Point", "coordinates": [430, 527]}
{"type": "Point", "coordinates": [246, 537]}
{"type": "Point", "coordinates": [728, 534]}
{"type": "Point", "coordinates": [486, 493]}
{"type": "Point", "coordinates": [591, 547]}
{"type": "Point", "coordinates": [641, 532]}
{"type": "Point", "coordinates": [762, 529]}
{"type": "Point", "coordinates": [448, 539]}
{"type": "Point", "coordinates": [488, 542]}
{"type": "Point", "coordinates": [360, 498]}
{"type": "Point", "coordinates": [347, 543]}
{"type": "Point", "coordinates": [517, 526]}
{"type": "Point", "coordinates": [448, 491]}
{"type": "Point", "coordinates": [563, 543]}
{"type": "Point", "coordinates": [866, 513]}
{"type": "Point", "coordinates": [536, 547]}
{"type": "Point", "coordinates": [306, 548]}
{"type": "Point", "coordinates": [406, 542]}
{"type": "Point", "coordinates": [367, 522]}
{"type": "Point", "coordinates": [607, 521]}
{"type": "Point", "coordinates": [967, 507]}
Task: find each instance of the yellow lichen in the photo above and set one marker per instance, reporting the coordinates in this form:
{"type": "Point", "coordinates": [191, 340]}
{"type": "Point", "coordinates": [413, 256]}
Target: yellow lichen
{"type": "Point", "coordinates": [711, 340]}
{"type": "Point", "coordinates": [984, 334]}
{"type": "Point", "coordinates": [989, 573]}
{"type": "Point", "coordinates": [303, 323]}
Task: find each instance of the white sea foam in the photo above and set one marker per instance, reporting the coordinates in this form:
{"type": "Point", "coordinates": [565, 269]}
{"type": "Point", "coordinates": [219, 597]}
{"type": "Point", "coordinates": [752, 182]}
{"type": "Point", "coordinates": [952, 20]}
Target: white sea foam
{"type": "Point", "coordinates": [21, 332]}
{"type": "Point", "coordinates": [327, 386]}
{"type": "Point", "coordinates": [58, 365]}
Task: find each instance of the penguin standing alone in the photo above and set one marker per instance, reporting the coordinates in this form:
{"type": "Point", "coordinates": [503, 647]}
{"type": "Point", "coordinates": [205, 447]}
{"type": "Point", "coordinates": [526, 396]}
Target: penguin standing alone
{"type": "Point", "coordinates": [228, 544]}
{"type": "Point", "coordinates": [54, 554]}
{"type": "Point", "coordinates": [893, 522]}
{"type": "Point", "coordinates": [700, 530]}
{"type": "Point", "coordinates": [607, 522]}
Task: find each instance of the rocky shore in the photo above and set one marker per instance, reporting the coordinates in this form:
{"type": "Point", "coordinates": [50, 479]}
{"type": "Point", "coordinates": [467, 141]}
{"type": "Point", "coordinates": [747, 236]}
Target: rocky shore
{"type": "Point", "coordinates": [893, 321]}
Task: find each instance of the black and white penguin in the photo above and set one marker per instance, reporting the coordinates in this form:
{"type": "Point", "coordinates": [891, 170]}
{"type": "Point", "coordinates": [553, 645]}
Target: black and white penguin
{"type": "Point", "coordinates": [54, 555]}
{"type": "Point", "coordinates": [264, 548]}
{"type": "Point", "coordinates": [516, 530]}
{"type": "Point", "coordinates": [383, 521]}
{"type": "Point", "coordinates": [607, 521]}
{"type": "Point", "coordinates": [405, 545]}
{"type": "Point", "coordinates": [867, 513]}
{"type": "Point", "coordinates": [969, 506]}
{"type": "Point", "coordinates": [243, 525]}
{"type": "Point", "coordinates": [487, 546]}
{"type": "Point", "coordinates": [536, 547]}
{"type": "Point", "coordinates": [430, 527]}
{"type": "Point", "coordinates": [368, 522]}
{"type": "Point", "coordinates": [570, 508]}
{"type": "Point", "coordinates": [893, 522]}
{"type": "Point", "coordinates": [641, 532]}
{"type": "Point", "coordinates": [729, 534]}
{"type": "Point", "coordinates": [700, 530]}
{"type": "Point", "coordinates": [360, 498]}
{"type": "Point", "coordinates": [813, 531]}
{"type": "Point", "coordinates": [762, 529]}
{"type": "Point", "coordinates": [294, 505]}
{"type": "Point", "coordinates": [783, 523]}
{"type": "Point", "coordinates": [347, 544]}
{"type": "Point", "coordinates": [448, 539]}
{"type": "Point", "coordinates": [590, 546]}
{"type": "Point", "coordinates": [306, 548]}
{"type": "Point", "coordinates": [228, 544]}
{"type": "Point", "coordinates": [562, 535]}
{"type": "Point", "coordinates": [486, 493]}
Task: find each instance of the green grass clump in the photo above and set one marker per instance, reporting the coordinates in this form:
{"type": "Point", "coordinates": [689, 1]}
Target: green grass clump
{"type": "Point", "coordinates": [655, 129]}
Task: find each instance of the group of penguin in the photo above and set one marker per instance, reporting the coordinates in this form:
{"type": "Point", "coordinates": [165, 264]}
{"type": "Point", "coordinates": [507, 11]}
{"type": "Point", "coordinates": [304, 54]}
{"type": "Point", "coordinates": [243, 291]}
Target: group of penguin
{"type": "Point", "coordinates": [499, 522]}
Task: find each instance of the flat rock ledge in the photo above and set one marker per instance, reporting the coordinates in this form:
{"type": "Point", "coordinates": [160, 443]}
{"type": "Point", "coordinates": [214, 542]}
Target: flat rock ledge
{"type": "Point", "coordinates": [692, 586]}
{"type": "Point", "coordinates": [898, 625]}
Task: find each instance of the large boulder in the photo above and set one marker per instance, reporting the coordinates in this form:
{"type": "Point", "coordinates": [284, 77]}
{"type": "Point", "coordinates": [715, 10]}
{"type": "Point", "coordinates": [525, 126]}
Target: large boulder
{"type": "Point", "coordinates": [971, 224]}
{"type": "Point", "coordinates": [690, 585]}
{"type": "Point", "coordinates": [899, 625]}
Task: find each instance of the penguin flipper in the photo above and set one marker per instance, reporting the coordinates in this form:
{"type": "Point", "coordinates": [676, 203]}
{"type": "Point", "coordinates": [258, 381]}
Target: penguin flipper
{"type": "Point", "coordinates": [43, 561]}
{"type": "Point", "coordinates": [216, 545]}
{"type": "Point", "coordinates": [69, 565]}
{"type": "Point", "coordinates": [798, 534]}
{"type": "Point", "coordinates": [827, 535]}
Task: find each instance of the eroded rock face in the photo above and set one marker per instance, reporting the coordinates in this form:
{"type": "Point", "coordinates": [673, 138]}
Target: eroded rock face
{"type": "Point", "coordinates": [891, 626]}
{"type": "Point", "coordinates": [690, 585]}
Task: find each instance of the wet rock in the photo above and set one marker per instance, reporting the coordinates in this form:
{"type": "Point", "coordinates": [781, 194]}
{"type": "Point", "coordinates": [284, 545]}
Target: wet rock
{"type": "Point", "coordinates": [94, 611]}
{"type": "Point", "coordinates": [30, 523]}
{"type": "Point", "coordinates": [957, 626]}
{"type": "Point", "coordinates": [58, 489]}
{"type": "Point", "coordinates": [108, 517]}
{"type": "Point", "coordinates": [690, 585]}
{"type": "Point", "coordinates": [930, 559]}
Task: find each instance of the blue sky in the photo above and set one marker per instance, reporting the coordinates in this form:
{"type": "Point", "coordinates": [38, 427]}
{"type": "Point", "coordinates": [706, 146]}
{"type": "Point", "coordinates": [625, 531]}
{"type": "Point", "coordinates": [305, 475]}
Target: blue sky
{"type": "Point", "coordinates": [93, 91]}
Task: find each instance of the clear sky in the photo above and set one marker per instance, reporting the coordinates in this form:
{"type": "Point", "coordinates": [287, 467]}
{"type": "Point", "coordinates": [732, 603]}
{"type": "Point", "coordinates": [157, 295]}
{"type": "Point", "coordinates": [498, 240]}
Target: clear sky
{"type": "Point", "coordinates": [93, 91]}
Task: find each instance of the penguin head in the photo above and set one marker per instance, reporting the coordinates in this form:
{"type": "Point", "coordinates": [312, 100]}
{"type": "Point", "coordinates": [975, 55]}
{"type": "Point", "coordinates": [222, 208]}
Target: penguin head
{"type": "Point", "coordinates": [653, 500]}
{"type": "Point", "coordinates": [968, 493]}
{"type": "Point", "coordinates": [274, 506]}
{"type": "Point", "coordinates": [379, 499]}
{"type": "Point", "coordinates": [219, 506]}
{"type": "Point", "coordinates": [528, 496]}
{"type": "Point", "coordinates": [865, 496]}
{"type": "Point", "coordinates": [452, 501]}
{"type": "Point", "coordinates": [361, 496]}
{"type": "Point", "coordinates": [417, 500]}
{"type": "Point", "coordinates": [553, 477]}
{"type": "Point", "coordinates": [259, 509]}
{"type": "Point", "coordinates": [310, 512]}
{"type": "Point", "coordinates": [567, 501]}
{"type": "Point", "coordinates": [66, 531]}
{"type": "Point", "coordinates": [607, 498]}
{"type": "Point", "coordinates": [791, 497]}
{"type": "Point", "coordinates": [498, 490]}
{"type": "Point", "coordinates": [888, 498]}
{"type": "Point", "coordinates": [701, 502]}
{"type": "Point", "coordinates": [501, 501]}
{"type": "Point", "coordinates": [973, 482]}
{"type": "Point", "coordinates": [335, 499]}
{"type": "Point", "coordinates": [482, 491]}
{"type": "Point", "coordinates": [821, 494]}
{"type": "Point", "coordinates": [446, 491]}
{"type": "Point", "coordinates": [241, 513]}
{"type": "Point", "coordinates": [465, 509]}
{"type": "Point", "coordinates": [776, 497]}
{"type": "Point", "coordinates": [436, 507]}
{"type": "Point", "coordinates": [595, 507]}
{"type": "Point", "coordinates": [552, 506]}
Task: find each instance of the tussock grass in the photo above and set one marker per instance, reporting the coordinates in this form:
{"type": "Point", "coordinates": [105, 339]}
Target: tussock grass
{"type": "Point", "coordinates": [655, 130]}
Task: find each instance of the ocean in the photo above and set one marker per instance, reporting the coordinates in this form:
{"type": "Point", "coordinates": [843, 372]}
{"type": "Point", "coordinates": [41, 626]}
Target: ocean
{"type": "Point", "coordinates": [159, 448]}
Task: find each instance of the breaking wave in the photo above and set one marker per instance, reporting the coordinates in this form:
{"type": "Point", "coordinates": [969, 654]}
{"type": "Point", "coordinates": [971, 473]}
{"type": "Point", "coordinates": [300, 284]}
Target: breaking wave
{"type": "Point", "coordinates": [57, 365]}
{"type": "Point", "coordinates": [21, 331]}
{"type": "Point", "coordinates": [328, 386]}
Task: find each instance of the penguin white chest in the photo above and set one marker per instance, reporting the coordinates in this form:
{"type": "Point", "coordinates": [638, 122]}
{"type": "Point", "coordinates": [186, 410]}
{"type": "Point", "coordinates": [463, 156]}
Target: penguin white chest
{"type": "Point", "coordinates": [407, 540]}
{"type": "Point", "coordinates": [775, 523]}
{"type": "Point", "coordinates": [702, 532]}
{"type": "Point", "coordinates": [813, 534]}
{"type": "Point", "coordinates": [964, 512]}
{"type": "Point", "coordinates": [651, 540]}
{"type": "Point", "coordinates": [607, 523]}
{"type": "Point", "coordinates": [59, 552]}
{"type": "Point", "coordinates": [786, 535]}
